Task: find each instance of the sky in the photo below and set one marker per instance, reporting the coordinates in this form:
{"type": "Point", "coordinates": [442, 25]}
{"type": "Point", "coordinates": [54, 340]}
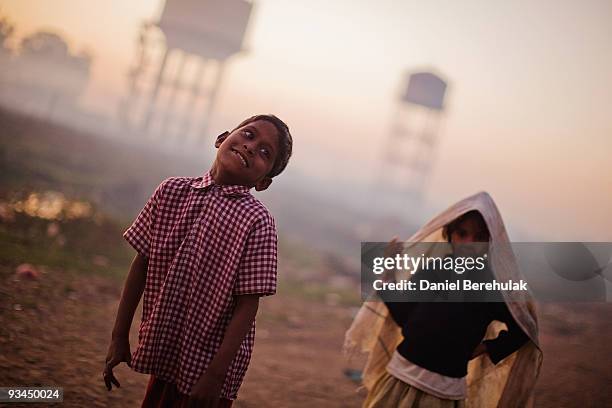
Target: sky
{"type": "Point", "coordinates": [527, 110]}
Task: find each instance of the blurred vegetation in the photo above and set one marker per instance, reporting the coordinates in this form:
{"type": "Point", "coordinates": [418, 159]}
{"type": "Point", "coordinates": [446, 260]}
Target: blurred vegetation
{"type": "Point", "coordinates": [83, 245]}
{"type": "Point", "coordinates": [118, 177]}
{"type": "Point", "coordinates": [112, 180]}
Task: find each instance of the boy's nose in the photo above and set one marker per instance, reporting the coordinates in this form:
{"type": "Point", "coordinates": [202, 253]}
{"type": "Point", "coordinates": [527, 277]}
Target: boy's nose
{"type": "Point", "coordinates": [248, 150]}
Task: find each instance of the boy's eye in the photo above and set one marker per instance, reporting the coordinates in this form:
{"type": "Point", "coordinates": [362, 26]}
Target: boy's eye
{"type": "Point", "coordinates": [265, 153]}
{"type": "Point", "coordinates": [248, 134]}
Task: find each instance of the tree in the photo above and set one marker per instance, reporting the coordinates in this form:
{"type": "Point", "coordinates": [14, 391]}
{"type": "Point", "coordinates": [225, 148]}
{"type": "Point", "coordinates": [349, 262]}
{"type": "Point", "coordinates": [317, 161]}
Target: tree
{"type": "Point", "coordinates": [6, 32]}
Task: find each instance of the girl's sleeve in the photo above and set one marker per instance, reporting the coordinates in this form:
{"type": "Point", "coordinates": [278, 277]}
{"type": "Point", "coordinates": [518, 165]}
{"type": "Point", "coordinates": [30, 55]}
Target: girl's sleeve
{"type": "Point", "coordinates": [508, 341]}
{"type": "Point", "coordinates": [398, 311]}
{"type": "Point", "coordinates": [138, 235]}
{"type": "Point", "coordinates": [257, 268]}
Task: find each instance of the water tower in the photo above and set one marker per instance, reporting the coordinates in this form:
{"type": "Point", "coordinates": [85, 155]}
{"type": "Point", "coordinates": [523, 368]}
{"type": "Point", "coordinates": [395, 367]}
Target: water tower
{"type": "Point", "coordinates": [411, 144]}
{"type": "Point", "coordinates": [179, 66]}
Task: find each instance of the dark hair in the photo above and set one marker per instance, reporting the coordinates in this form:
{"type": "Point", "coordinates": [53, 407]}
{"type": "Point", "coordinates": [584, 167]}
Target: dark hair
{"type": "Point", "coordinates": [285, 141]}
{"type": "Point", "coordinates": [452, 226]}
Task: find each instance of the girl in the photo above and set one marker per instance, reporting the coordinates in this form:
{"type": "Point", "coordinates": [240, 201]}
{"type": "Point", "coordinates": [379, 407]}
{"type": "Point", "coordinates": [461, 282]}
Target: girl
{"type": "Point", "coordinates": [452, 354]}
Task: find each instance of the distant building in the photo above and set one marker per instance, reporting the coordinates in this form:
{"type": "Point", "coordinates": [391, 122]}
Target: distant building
{"type": "Point", "coordinates": [180, 62]}
{"type": "Point", "coordinates": [412, 140]}
{"type": "Point", "coordinates": [43, 77]}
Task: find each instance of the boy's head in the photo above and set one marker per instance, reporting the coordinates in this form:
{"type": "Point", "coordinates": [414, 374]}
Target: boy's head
{"type": "Point", "coordinates": [257, 150]}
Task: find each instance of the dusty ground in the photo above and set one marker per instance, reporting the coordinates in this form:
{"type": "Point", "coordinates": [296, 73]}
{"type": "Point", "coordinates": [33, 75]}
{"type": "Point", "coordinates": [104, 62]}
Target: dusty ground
{"type": "Point", "coordinates": [55, 330]}
{"type": "Point", "coordinates": [577, 344]}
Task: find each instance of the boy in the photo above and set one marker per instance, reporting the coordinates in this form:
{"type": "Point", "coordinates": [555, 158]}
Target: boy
{"type": "Point", "coordinates": [206, 251]}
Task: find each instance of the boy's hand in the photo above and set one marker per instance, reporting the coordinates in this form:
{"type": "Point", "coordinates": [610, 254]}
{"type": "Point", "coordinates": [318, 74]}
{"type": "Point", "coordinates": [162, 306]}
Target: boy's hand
{"type": "Point", "coordinates": [206, 393]}
{"type": "Point", "coordinates": [118, 351]}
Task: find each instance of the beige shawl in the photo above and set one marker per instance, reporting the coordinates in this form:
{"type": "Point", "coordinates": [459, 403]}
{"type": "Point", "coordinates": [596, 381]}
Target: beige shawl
{"type": "Point", "coordinates": [510, 383]}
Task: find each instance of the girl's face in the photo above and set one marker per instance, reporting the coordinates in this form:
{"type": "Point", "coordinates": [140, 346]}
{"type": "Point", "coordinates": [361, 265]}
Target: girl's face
{"type": "Point", "coordinates": [470, 230]}
{"type": "Point", "coordinates": [470, 238]}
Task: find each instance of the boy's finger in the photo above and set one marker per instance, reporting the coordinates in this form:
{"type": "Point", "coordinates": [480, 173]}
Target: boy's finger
{"type": "Point", "coordinates": [107, 374]}
{"type": "Point", "coordinates": [114, 380]}
{"type": "Point", "coordinates": [109, 378]}
{"type": "Point", "coordinates": [107, 382]}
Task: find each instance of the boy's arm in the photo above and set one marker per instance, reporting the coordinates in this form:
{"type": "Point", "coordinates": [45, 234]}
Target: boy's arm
{"type": "Point", "coordinates": [119, 349]}
{"type": "Point", "coordinates": [207, 390]}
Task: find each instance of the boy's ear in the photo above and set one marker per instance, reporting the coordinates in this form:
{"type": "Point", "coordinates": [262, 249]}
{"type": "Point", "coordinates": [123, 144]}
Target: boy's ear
{"type": "Point", "coordinates": [221, 138]}
{"type": "Point", "coordinates": [263, 183]}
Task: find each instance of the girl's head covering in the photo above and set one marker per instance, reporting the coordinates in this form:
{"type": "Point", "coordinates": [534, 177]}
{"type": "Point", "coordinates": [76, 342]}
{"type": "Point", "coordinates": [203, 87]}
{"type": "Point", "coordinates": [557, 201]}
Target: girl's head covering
{"type": "Point", "coordinates": [509, 383]}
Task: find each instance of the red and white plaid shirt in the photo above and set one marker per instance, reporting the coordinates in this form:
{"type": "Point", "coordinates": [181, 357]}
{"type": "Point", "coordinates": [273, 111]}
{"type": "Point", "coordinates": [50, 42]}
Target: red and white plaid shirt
{"type": "Point", "coordinates": [206, 243]}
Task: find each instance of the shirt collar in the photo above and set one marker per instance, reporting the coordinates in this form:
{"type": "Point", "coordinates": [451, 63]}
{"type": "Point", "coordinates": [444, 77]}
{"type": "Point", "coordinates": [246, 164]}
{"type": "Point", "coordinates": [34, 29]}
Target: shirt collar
{"type": "Point", "coordinates": [207, 180]}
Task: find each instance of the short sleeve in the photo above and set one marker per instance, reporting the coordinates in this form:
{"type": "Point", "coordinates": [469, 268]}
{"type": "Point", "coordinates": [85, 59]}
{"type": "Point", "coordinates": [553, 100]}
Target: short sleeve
{"type": "Point", "coordinates": [257, 268]}
{"type": "Point", "coordinates": [138, 235]}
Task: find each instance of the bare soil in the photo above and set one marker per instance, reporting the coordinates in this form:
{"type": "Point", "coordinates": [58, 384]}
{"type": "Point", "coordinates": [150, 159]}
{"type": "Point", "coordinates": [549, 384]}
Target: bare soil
{"type": "Point", "coordinates": [54, 330]}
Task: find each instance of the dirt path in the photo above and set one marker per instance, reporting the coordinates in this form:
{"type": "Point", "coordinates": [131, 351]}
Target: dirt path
{"type": "Point", "coordinates": [577, 342]}
{"type": "Point", "coordinates": [59, 337]}
{"type": "Point", "coordinates": [55, 330]}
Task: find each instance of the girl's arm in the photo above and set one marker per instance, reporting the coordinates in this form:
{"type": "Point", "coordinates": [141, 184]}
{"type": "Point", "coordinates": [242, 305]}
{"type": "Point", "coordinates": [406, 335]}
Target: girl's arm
{"type": "Point", "coordinates": [119, 349]}
{"type": "Point", "coordinates": [507, 342]}
{"type": "Point", "coordinates": [398, 310]}
{"type": "Point", "coordinates": [207, 390]}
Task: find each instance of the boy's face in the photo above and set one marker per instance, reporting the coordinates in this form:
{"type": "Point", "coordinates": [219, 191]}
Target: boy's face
{"type": "Point", "coordinates": [246, 156]}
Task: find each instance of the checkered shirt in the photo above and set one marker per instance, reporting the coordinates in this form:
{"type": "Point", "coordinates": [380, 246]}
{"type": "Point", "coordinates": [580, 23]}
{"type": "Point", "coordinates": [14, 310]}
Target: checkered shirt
{"type": "Point", "coordinates": [206, 243]}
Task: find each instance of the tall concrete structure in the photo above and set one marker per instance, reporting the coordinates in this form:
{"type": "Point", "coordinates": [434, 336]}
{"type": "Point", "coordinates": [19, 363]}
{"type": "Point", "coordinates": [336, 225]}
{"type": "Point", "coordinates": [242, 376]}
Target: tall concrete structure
{"type": "Point", "coordinates": [181, 58]}
{"type": "Point", "coordinates": [412, 141]}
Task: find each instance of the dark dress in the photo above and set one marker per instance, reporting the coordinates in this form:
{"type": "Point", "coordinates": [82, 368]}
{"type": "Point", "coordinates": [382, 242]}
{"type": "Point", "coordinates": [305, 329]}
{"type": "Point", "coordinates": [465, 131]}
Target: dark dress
{"type": "Point", "coordinates": [441, 335]}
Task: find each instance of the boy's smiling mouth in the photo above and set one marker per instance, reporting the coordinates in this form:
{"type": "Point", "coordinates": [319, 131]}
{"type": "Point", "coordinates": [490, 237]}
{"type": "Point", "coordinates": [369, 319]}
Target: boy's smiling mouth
{"type": "Point", "coordinates": [242, 157]}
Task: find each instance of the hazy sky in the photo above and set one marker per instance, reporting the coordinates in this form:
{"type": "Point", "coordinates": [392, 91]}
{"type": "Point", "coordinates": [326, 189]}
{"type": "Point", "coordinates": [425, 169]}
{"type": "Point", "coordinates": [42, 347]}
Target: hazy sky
{"type": "Point", "coordinates": [528, 109]}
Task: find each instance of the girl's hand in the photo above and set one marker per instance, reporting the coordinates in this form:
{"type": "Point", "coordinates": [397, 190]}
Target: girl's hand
{"type": "Point", "coordinates": [479, 350]}
{"type": "Point", "coordinates": [393, 248]}
{"type": "Point", "coordinates": [206, 393]}
{"type": "Point", "coordinates": [118, 351]}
